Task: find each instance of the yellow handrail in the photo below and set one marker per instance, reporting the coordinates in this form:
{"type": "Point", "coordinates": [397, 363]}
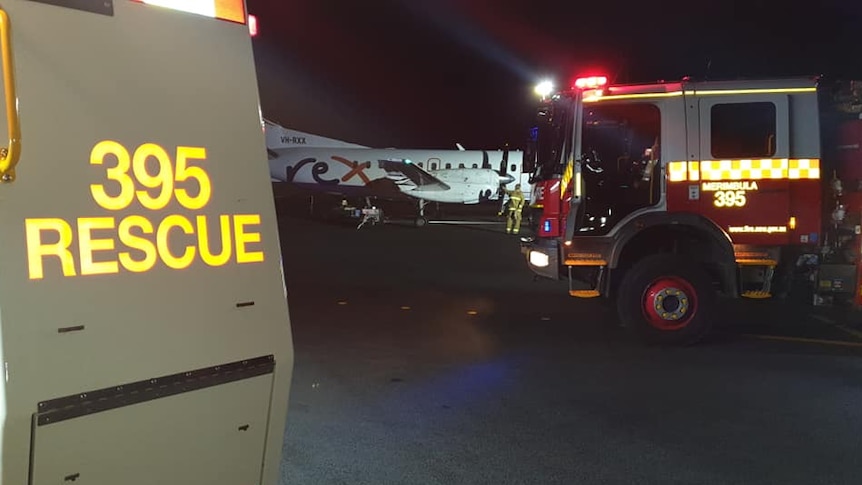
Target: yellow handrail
{"type": "Point", "coordinates": [10, 154]}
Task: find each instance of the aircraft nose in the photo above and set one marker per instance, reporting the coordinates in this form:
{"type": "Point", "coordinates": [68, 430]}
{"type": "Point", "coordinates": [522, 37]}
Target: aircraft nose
{"type": "Point", "coordinates": [506, 179]}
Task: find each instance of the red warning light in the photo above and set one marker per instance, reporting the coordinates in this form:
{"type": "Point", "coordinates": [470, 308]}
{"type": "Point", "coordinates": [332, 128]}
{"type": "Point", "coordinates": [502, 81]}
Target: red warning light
{"type": "Point", "coordinates": [252, 25]}
{"type": "Point", "coordinates": [592, 82]}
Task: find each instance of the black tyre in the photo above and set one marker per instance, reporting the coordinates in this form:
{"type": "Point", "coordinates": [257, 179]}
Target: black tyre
{"type": "Point", "coordinates": [420, 221]}
{"type": "Point", "coordinates": [667, 299]}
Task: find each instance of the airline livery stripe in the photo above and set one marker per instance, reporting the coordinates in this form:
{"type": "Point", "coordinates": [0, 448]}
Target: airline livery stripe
{"type": "Point", "coordinates": [762, 169]}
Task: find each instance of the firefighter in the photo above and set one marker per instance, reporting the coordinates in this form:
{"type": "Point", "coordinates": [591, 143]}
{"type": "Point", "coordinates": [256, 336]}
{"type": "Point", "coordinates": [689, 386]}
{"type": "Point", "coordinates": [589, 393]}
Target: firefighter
{"type": "Point", "coordinates": [504, 206]}
{"type": "Point", "coordinates": [516, 205]}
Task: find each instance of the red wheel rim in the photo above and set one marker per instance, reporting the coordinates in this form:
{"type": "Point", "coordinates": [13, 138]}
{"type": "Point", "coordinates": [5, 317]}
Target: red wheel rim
{"type": "Point", "coordinates": [669, 303]}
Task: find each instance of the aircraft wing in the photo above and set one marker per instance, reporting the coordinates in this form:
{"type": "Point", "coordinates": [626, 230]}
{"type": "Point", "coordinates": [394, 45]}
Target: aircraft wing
{"type": "Point", "coordinates": [409, 176]}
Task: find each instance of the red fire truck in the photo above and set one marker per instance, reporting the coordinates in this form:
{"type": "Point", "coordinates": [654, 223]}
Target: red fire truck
{"type": "Point", "coordinates": [667, 196]}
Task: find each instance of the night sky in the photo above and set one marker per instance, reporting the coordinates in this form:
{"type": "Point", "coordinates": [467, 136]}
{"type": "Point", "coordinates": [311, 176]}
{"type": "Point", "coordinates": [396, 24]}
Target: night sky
{"type": "Point", "coordinates": [430, 73]}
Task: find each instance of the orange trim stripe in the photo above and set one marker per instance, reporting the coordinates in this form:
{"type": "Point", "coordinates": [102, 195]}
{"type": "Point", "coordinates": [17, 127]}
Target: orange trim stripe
{"type": "Point", "coordinates": [230, 10]}
{"type": "Point", "coordinates": [233, 10]}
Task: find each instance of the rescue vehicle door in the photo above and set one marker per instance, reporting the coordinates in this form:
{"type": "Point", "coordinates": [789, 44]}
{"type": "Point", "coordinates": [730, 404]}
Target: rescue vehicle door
{"type": "Point", "coordinates": [744, 143]}
{"type": "Point", "coordinates": [618, 140]}
{"type": "Point", "coordinates": [145, 334]}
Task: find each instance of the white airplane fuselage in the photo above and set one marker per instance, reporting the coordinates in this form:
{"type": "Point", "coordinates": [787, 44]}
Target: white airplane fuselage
{"type": "Point", "coordinates": [449, 176]}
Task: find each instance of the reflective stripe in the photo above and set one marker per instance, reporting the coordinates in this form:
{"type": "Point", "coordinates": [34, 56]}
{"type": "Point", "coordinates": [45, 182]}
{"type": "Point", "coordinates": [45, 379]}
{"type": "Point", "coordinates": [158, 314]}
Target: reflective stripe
{"type": "Point", "coordinates": [231, 10]}
{"type": "Point", "coordinates": [708, 92]}
{"type": "Point", "coordinates": [596, 95]}
{"type": "Point", "coordinates": [566, 179]}
{"type": "Point", "coordinates": [762, 169]}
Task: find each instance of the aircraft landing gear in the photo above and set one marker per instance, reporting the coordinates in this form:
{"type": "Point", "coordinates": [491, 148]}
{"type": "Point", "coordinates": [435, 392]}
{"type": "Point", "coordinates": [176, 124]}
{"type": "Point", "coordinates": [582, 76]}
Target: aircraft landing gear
{"type": "Point", "coordinates": [371, 214]}
{"type": "Point", "coordinates": [420, 219]}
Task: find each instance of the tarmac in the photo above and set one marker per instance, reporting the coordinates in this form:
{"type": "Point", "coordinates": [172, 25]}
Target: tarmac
{"type": "Point", "coordinates": [431, 356]}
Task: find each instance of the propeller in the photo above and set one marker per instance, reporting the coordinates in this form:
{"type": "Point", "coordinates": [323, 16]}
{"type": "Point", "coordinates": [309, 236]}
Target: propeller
{"type": "Point", "coordinates": [505, 178]}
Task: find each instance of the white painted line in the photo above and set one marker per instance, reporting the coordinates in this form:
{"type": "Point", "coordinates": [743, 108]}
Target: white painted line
{"type": "Point", "coordinates": [823, 319]}
{"type": "Point", "coordinates": [841, 343]}
{"type": "Point", "coordinates": [470, 223]}
{"type": "Point", "coordinates": [843, 328]}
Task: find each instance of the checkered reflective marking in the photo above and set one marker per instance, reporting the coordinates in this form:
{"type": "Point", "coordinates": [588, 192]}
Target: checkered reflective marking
{"type": "Point", "coordinates": [758, 169]}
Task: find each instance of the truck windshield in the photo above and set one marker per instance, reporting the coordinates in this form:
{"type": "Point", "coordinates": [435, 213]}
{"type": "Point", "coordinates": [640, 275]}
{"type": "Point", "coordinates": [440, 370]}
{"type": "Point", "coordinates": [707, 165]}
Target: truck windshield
{"type": "Point", "coordinates": [553, 141]}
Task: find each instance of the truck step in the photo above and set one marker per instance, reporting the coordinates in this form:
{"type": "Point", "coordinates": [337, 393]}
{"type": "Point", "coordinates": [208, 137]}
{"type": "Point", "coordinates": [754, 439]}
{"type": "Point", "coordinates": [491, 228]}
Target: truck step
{"type": "Point", "coordinates": [757, 262]}
{"type": "Point", "coordinates": [584, 293]}
{"type": "Point", "coordinates": [586, 262]}
{"type": "Point", "coordinates": [757, 294]}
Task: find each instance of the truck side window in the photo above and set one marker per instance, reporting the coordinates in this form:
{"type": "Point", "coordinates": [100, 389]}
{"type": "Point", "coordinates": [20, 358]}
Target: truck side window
{"type": "Point", "coordinates": [743, 130]}
{"type": "Point", "coordinates": [620, 162]}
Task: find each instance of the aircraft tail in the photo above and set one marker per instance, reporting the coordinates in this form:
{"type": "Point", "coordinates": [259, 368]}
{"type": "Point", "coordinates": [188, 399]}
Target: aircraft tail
{"type": "Point", "coordinates": [278, 136]}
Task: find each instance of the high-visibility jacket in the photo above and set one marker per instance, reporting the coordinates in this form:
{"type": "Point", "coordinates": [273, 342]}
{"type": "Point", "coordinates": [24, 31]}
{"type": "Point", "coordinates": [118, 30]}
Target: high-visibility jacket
{"type": "Point", "coordinates": [516, 200]}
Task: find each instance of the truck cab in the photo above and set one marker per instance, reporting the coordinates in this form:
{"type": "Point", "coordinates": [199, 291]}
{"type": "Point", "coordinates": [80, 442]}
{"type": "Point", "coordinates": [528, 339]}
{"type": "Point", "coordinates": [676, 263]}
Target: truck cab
{"type": "Point", "coordinates": [665, 195]}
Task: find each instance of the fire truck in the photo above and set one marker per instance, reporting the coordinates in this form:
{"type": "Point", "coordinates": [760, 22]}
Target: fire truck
{"type": "Point", "coordinates": [144, 327]}
{"type": "Point", "coordinates": [666, 197]}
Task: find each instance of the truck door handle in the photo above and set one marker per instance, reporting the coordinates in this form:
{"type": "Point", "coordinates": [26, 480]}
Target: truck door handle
{"type": "Point", "coordinates": [9, 154]}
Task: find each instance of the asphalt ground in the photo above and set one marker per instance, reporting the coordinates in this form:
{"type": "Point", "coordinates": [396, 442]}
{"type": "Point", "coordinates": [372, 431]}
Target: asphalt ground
{"type": "Point", "coordinates": [431, 356]}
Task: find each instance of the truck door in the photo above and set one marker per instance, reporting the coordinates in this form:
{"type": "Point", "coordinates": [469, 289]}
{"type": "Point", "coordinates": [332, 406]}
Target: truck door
{"type": "Point", "coordinates": [745, 165]}
{"type": "Point", "coordinates": [145, 333]}
{"type": "Point", "coordinates": [618, 142]}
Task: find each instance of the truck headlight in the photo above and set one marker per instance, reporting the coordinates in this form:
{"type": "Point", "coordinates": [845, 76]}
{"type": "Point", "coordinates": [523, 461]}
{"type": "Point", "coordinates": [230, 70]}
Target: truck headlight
{"type": "Point", "coordinates": [539, 259]}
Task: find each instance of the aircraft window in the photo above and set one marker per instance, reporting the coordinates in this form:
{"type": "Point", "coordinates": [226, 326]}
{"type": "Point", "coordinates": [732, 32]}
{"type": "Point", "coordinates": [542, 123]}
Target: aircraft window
{"type": "Point", "coordinates": [743, 130]}
{"type": "Point", "coordinates": [433, 166]}
{"type": "Point", "coordinates": [448, 165]}
{"type": "Point", "coordinates": [513, 168]}
{"type": "Point", "coordinates": [460, 165]}
{"type": "Point", "coordinates": [475, 165]}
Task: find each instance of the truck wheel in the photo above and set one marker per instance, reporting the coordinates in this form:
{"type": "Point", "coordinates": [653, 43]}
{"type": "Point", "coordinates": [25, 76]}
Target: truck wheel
{"type": "Point", "coordinates": [667, 299]}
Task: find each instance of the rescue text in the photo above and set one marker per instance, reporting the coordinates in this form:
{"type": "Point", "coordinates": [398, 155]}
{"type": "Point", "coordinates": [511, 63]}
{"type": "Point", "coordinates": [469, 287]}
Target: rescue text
{"type": "Point", "coordinates": [174, 239]}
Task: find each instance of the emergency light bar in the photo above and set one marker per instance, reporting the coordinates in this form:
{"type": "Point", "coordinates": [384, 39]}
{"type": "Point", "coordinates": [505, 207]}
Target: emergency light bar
{"type": "Point", "coordinates": [592, 82]}
{"type": "Point", "coordinates": [230, 10]}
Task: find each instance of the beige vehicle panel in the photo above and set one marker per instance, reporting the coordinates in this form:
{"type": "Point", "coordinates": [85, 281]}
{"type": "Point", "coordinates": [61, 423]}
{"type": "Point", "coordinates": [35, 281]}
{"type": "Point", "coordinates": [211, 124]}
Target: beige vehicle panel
{"type": "Point", "coordinates": [183, 439]}
{"type": "Point", "coordinates": [142, 75]}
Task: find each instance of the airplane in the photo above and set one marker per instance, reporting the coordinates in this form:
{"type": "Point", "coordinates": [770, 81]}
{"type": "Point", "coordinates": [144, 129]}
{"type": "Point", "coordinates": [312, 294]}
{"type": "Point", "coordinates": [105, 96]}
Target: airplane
{"type": "Point", "coordinates": [332, 166]}
{"type": "Point", "coordinates": [389, 174]}
{"type": "Point", "coordinates": [278, 136]}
